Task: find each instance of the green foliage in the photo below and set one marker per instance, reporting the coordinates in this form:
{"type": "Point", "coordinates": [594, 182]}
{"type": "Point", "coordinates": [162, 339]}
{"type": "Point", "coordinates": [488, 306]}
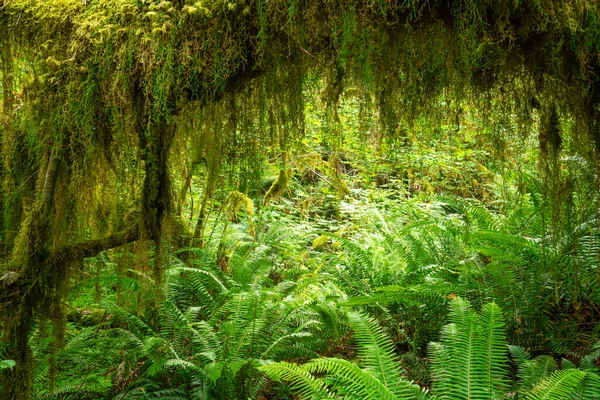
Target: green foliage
{"type": "Point", "coordinates": [470, 360]}
{"type": "Point", "coordinates": [377, 376]}
{"type": "Point", "coordinates": [279, 306]}
{"type": "Point", "coordinates": [348, 168]}
{"type": "Point", "coordinates": [203, 336]}
{"type": "Point", "coordinates": [7, 364]}
{"type": "Point", "coordinates": [567, 384]}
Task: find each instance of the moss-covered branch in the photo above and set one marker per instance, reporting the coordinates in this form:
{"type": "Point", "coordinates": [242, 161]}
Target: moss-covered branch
{"type": "Point", "coordinates": [91, 248]}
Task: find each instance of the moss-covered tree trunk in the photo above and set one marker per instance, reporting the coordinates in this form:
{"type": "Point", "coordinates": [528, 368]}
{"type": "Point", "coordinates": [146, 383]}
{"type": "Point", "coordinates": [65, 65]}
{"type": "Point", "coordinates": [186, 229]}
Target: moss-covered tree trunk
{"type": "Point", "coordinates": [157, 199]}
{"type": "Point", "coordinates": [34, 283]}
{"type": "Point", "coordinates": [203, 213]}
{"type": "Point", "coordinates": [40, 272]}
{"type": "Point", "coordinates": [6, 61]}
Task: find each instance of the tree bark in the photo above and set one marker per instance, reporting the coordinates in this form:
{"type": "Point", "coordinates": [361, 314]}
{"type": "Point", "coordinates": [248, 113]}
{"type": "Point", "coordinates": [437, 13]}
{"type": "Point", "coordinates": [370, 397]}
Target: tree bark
{"type": "Point", "coordinates": [6, 63]}
{"type": "Point", "coordinates": [203, 213]}
{"type": "Point", "coordinates": [25, 295]}
{"type": "Point", "coordinates": [92, 248]}
{"type": "Point", "coordinates": [157, 199]}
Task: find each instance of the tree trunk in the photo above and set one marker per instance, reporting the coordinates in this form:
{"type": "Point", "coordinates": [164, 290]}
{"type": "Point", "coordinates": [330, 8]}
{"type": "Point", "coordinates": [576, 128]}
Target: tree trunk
{"type": "Point", "coordinates": [202, 215]}
{"type": "Point", "coordinates": [156, 200]}
{"type": "Point", "coordinates": [185, 187]}
{"type": "Point", "coordinates": [6, 61]}
{"type": "Point", "coordinates": [32, 287]}
{"type": "Point", "coordinates": [40, 272]}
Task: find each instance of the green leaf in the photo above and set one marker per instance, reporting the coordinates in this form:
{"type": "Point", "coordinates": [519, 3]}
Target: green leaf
{"type": "Point", "coordinates": [567, 384]}
{"type": "Point", "coordinates": [7, 364]}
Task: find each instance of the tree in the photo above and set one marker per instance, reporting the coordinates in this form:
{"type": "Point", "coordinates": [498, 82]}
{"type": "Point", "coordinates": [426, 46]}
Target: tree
{"type": "Point", "coordinates": [97, 92]}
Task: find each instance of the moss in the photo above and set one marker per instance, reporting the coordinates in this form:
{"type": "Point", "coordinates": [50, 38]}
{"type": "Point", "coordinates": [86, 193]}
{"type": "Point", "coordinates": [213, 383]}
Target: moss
{"type": "Point", "coordinates": [108, 85]}
{"type": "Point", "coordinates": [279, 186]}
{"type": "Point", "coordinates": [320, 242]}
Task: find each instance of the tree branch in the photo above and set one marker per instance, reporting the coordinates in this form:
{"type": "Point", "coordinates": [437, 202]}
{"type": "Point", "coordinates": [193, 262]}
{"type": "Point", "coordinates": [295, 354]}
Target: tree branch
{"type": "Point", "coordinates": [91, 248]}
{"type": "Point", "coordinates": [50, 183]}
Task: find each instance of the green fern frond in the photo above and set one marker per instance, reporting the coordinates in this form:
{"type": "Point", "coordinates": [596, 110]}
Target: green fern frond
{"type": "Point", "coordinates": [408, 296]}
{"type": "Point", "coordinates": [206, 341]}
{"type": "Point", "coordinates": [531, 372]}
{"type": "Point", "coordinates": [300, 380]}
{"type": "Point", "coordinates": [519, 355]}
{"type": "Point", "coordinates": [470, 361]}
{"type": "Point", "coordinates": [375, 350]}
{"type": "Point", "coordinates": [495, 348]}
{"type": "Point", "coordinates": [166, 394]}
{"type": "Point", "coordinates": [362, 257]}
{"type": "Point", "coordinates": [588, 363]}
{"type": "Point", "coordinates": [567, 384]}
{"type": "Point", "coordinates": [73, 392]}
{"type": "Point", "coordinates": [348, 378]}
{"type": "Point", "coordinates": [134, 323]}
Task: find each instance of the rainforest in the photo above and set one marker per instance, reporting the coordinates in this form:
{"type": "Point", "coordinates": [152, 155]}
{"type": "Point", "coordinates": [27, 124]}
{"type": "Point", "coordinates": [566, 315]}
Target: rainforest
{"type": "Point", "coordinates": [300, 199]}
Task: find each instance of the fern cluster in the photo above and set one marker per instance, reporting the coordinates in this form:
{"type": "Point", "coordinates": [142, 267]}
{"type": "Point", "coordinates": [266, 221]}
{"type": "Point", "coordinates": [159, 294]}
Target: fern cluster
{"type": "Point", "coordinates": [470, 362]}
{"type": "Point", "coordinates": [416, 301]}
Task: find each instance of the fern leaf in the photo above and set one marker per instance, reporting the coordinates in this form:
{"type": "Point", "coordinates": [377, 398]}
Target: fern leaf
{"type": "Point", "coordinates": [470, 361]}
{"type": "Point", "coordinates": [376, 353]}
{"type": "Point", "coordinates": [300, 380]}
{"type": "Point", "coordinates": [567, 384]}
{"type": "Point", "coordinates": [363, 384]}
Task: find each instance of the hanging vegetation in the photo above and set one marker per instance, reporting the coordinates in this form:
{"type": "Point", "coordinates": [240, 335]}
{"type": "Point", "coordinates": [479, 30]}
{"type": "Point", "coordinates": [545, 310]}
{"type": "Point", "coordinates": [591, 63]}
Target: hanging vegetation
{"type": "Point", "coordinates": [104, 102]}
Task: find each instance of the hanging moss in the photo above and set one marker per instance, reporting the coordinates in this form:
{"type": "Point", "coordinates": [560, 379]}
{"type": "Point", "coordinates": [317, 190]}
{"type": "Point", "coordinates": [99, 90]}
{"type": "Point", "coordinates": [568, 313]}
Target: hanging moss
{"type": "Point", "coordinates": [279, 186]}
{"type": "Point", "coordinates": [106, 86]}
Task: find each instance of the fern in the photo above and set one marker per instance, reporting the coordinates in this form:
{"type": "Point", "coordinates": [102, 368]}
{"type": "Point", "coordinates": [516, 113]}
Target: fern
{"type": "Point", "coordinates": [300, 380]}
{"type": "Point", "coordinates": [377, 376]}
{"type": "Point", "coordinates": [470, 360]}
{"type": "Point", "coordinates": [567, 384]}
{"type": "Point", "coordinates": [376, 353]}
{"type": "Point", "coordinates": [352, 382]}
